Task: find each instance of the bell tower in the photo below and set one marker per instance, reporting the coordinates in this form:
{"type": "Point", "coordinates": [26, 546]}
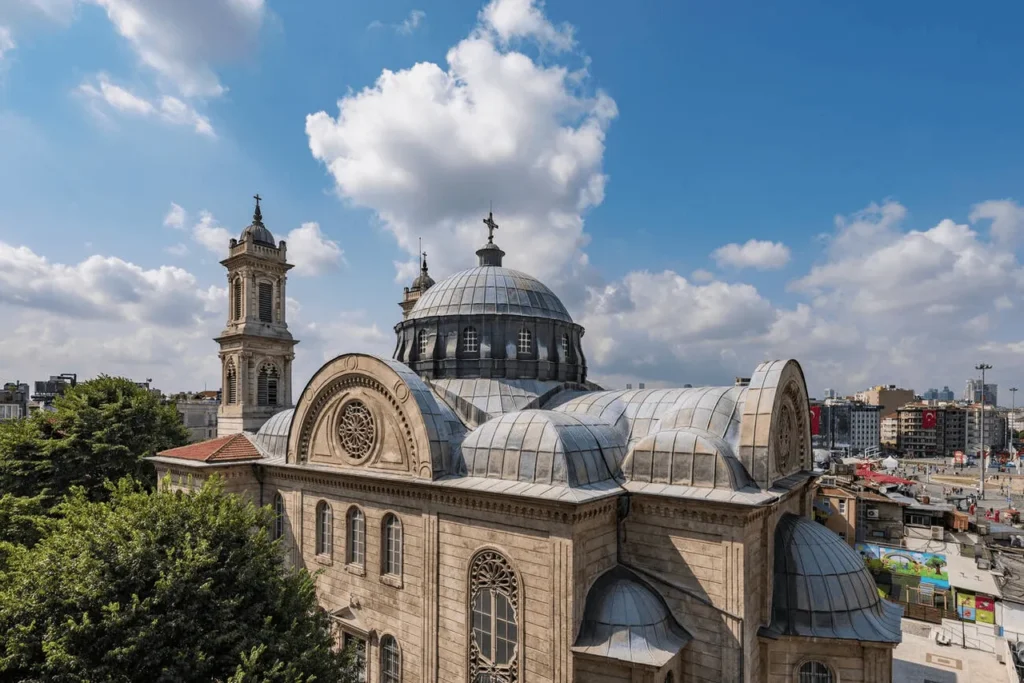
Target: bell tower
{"type": "Point", "coordinates": [256, 348]}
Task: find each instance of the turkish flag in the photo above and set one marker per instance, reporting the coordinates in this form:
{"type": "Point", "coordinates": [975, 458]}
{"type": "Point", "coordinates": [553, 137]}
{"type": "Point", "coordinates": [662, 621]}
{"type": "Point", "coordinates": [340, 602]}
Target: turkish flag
{"type": "Point", "coordinates": [928, 419]}
{"type": "Point", "coordinates": [815, 419]}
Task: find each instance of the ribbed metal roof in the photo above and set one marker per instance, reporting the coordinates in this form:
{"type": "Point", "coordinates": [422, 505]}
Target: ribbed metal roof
{"type": "Point", "coordinates": [543, 447]}
{"type": "Point", "coordinates": [272, 437]}
{"type": "Point", "coordinates": [822, 588]}
{"type": "Point", "coordinates": [490, 289]}
{"type": "Point", "coordinates": [627, 620]}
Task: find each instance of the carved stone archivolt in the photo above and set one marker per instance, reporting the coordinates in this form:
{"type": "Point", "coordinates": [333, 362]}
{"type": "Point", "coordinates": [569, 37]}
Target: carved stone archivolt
{"type": "Point", "coordinates": [791, 429]}
{"type": "Point", "coordinates": [495, 618]}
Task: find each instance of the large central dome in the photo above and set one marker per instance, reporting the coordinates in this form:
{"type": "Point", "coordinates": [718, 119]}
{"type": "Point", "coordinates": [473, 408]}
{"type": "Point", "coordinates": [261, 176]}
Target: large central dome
{"type": "Point", "coordinates": [490, 289]}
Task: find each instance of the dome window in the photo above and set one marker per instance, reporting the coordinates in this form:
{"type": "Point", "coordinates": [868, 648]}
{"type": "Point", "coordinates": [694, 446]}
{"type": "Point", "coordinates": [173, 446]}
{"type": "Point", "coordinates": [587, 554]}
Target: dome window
{"type": "Point", "coordinates": [525, 342]}
{"type": "Point", "coordinates": [565, 348]}
{"type": "Point", "coordinates": [423, 342]}
{"type": "Point", "coordinates": [470, 341]}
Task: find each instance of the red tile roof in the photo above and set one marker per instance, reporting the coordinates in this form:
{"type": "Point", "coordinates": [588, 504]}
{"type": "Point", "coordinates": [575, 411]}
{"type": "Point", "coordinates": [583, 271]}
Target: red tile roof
{"type": "Point", "coordinates": [221, 449]}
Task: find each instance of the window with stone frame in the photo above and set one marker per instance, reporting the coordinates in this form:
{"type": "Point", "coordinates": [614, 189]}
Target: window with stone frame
{"type": "Point", "coordinates": [324, 528]}
{"type": "Point", "coordinates": [231, 379]}
{"type": "Point", "coordinates": [356, 551]}
{"type": "Point", "coordinates": [278, 530]}
{"type": "Point", "coordinates": [266, 386]}
{"type": "Point", "coordinates": [236, 299]}
{"type": "Point", "coordinates": [391, 542]}
{"type": "Point", "coordinates": [424, 343]}
{"type": "Point", "coordinates": [470, 341]}
{"type": "Point", "coordinates": [494, 604]}
{"type": "Point", "coordinates": [266, 297]}
{"type": "Point", "coordinates": [565, 348]}
{"type": "Point", "coordinates": [815, 672]}
{"type": "Point", "coordinates": [390, 660]}
{"type": "Point", "coordinates": [525, 345]}
{"type": "Point", "coordinates": [358, 647]}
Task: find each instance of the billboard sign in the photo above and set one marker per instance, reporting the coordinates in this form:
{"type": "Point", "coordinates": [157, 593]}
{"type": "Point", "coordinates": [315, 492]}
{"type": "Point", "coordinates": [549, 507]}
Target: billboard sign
{"type": "Point", "coordinates": [928, 567]}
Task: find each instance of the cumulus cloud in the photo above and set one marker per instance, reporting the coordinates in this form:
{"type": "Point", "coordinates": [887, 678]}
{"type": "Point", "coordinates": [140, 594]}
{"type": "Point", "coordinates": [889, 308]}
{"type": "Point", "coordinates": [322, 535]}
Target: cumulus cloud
{"type": "Point", "coordinates": [166, 108]}
{"type": "Point", "coordinates": [175, 218]}
{"type": "Point", "coordinates": [428, 147]}
{"type": "Point", "coordinates": [1007, 218]}
{"type": "Point", "coordinates": [6, 41]}
{"type": "Point", "coordinates": [759, 254]}
{"type": "Point", "coordinates": [211, 235]}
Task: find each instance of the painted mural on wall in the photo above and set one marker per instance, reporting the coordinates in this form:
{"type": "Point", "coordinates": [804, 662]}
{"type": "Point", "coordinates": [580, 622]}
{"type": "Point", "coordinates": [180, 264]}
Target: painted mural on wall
{"type": "Point", "coordinates": [928, 567]}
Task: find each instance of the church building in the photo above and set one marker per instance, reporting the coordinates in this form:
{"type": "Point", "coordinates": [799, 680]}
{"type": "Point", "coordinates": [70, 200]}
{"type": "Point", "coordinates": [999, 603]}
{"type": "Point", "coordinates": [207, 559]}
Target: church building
{"type": "Point", "coordinates": [483, 513]}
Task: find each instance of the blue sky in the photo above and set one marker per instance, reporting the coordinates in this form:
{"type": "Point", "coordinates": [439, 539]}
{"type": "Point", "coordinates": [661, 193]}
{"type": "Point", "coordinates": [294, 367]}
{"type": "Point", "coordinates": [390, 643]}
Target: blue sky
{"type": "Point", "coordinates": [872, 152]}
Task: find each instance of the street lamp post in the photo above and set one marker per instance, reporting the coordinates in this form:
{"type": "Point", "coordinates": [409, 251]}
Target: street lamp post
{"type": "Point", "coordinates": [981, 419]}
{"type": "Point", "coordinates": [1012, 421]}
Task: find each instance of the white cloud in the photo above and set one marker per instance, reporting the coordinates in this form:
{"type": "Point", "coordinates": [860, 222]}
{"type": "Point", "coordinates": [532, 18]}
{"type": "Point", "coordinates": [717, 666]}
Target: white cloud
{"type": "Point", "coordinates": [1007, 218]}
{"type": "Point", "coordinates": [175, 218]}
{"type": "Point", "coordinates": [406, 27]}
{"type": "Point", "coordinates": [168, 109]}
{"type": "Point", "coordinates": [701, 275]}
{"type": "Point", "coordinates": [211, 235]}
{"type": "Point", "coordinates": [311, 251]}
{"type": "Point", "coordinates": [759, 254]}
{"type": "Point", "coordinates": [177, 249]}
{"type": "Point", "coordinates": [511, 19]}
{"type": "Point", "coordinates": [6, 41]}
{"type": "Point", "coordinates": [427, 148]}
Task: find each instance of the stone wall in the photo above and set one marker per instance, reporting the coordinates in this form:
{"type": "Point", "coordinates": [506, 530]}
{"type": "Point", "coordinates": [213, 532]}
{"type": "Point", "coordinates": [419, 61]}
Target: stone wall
{"type": "Point", "coordinates": [850, 661]}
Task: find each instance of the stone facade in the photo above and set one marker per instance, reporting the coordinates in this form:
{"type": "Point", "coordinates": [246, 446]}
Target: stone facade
{"type": "Point", "coordinates": [499, 529]}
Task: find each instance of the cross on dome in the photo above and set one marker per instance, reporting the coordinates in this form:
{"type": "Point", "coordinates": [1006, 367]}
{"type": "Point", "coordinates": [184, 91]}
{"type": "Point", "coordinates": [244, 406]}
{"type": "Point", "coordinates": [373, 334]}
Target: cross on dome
{"type": "Point", "coordinates": [491, 227]}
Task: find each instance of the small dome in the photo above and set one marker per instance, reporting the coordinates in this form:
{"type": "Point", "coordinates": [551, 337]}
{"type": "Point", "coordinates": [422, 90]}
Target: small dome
{"type": "Point", "coordinates": [543, 447]}
{"type": "Point", "coordinates": [625, 619]}
{"type": "Point", "coordinates": [260, 235]}
{"type": "Point", "coordinates": [490, 289]}
{"type": "Point", "coordinates": [272, 437]}
{"type": "Point", "coordinates": [423, 282]}
{"type": "Point", "coordinates": [824, 590]}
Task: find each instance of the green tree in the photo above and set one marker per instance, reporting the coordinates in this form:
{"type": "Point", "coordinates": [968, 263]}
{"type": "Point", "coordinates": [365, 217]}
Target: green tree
{"type": "Point", "coordinates": [100, 430]}
{"type": "Point", "coordinates": [936, 563]}
{"type": "Point", "coordinates": [162, 587]}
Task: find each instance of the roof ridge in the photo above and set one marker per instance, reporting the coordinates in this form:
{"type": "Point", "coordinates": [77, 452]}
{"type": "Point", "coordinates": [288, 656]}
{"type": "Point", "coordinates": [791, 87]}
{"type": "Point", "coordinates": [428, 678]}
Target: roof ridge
{"type": "Point", "coordinates": [228, 440]}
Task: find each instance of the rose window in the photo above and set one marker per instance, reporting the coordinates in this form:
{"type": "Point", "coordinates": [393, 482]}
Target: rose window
{"type": "Point", "coordinates": [356, 429]}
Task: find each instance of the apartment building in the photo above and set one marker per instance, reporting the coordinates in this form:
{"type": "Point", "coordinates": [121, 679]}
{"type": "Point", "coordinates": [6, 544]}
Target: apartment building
{"type": "Point", "coordinates": [926, 431]}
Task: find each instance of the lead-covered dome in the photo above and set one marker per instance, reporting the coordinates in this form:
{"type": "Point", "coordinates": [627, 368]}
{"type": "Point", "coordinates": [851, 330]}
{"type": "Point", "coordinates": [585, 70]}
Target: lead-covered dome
{"type": "Point", "coordinates": [257, 230]}
{"type": "Point", "coordinates": [490, 289]}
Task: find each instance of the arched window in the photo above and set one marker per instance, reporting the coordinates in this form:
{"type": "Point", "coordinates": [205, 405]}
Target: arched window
{"type": "Point", "coordinates": [815, 672]}
{"type": "Point", "coordinates": [356, 523]}
{"type": "Point", "coordinates": [494, 615]}
{"type": "Point", "coordinates": [390, 661]}
{"type": "Point", "coordinates": [278, 516]}
{"type": "Point", "coordinates": [266, 296]}
{"type": "Point", "coordinates": [565, 358]}
{"type": "Point", "coordinates": [236, 299]}
{"type": "Point", "coordinates": [470, 342]}
{"type": "Point", "coordinates": [266, 386]}
{"type": "Point", "coordinates": [231, 379]}
{"type": "Point", "coordinates": [525, 342]}
{"type": "Point", "coordinates": [670, 677]}
{"type": "Point", "coordinates": [392, 546]}
{"type": "Point", "coordinates": [324, 528]}
{"type": "Point", "coordinates": [424, 340]}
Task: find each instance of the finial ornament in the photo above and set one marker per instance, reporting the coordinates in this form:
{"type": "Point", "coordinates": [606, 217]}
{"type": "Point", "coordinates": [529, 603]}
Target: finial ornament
{"type": "Point", "coordinates": [423, 266]}
{"type": "Point", "coordinates": [491, 227]}
{"type": "Point", "coordinates": [257, 215]}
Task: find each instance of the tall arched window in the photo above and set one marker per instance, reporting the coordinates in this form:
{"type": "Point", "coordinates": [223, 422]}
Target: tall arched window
{"type": "Point", "coordinates": [424, 340]}
{"type": "Point", "coordinates": [236, 299]}
{"type": "Point", "coordinates": [670, 677]}
{"type": "Point", "coordinates": [266, 296]}
{"type": "Point", "coordinates": [565, 354]}
{"type": "Point", "coordinates": [494, 615]}
{"type": "Point", "coordinates": [390, 661]}
{"type": "Point", "coordinates": [391, 543]}
{"type": "Point", "coordinates": [356, 523]}
{"type": "Point", "coordinates": [266, 386]}
{"type": "Point", "coordinates": [525, 342]}
{"type": "Point", "coordinates": [470, 341]}
{"type": "Point", "coordinates": [278, 516]}
{"type": "Point", "coordinates": [231, 380]}
{"type": "Point", "coordinates": [324, 528]}
{"type": "Point", "coordinates": [815, 672]}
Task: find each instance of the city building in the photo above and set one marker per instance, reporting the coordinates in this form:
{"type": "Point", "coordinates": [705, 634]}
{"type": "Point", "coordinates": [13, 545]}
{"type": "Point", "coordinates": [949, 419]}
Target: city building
{"type": "Point", "coordinates": [844, 425]}
{"type": "Point", "coordinates": [14, 398]}
{"type": "Point", "coordinates": [945, 394]}
{"type": "Point", "coordinates": [199, 416]}
{"type": "Point", "coordinates": [831, 393]}
{"type": "Point", "coordinates": [995, 429]}
{"type": "Point", "coordinates": [973, 392]}
{"type": "Point", "coordinates": [48, 390]}
{"type": "Point", "coordinates": [477, 510]}
{"type": "Point", "coordinates": [836, 508]}
{"type": "Point", "coordinates": [888, 398]}
{"type": "Point", "coordinates": [889, 428]}
{"type": "Point", "coordinates": [256, 348]}
{"type": "Point", "coordinates": [865, 427]}
{"type": "Point", "coordinates": [879, 518]}
{"type": "Point", "coordinates": [927, 431]}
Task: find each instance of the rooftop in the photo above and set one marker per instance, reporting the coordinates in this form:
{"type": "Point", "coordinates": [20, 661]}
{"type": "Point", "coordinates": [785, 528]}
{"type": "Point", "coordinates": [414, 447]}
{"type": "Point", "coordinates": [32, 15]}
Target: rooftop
{"type": "Point", "coordinates": [223, 449]}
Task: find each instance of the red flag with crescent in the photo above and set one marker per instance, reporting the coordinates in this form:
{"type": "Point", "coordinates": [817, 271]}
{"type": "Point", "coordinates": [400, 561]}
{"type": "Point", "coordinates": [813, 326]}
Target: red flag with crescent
{"type": "Point", "coordinates": [815, 419]}
{"type": "Point", "coordinates": [928, 419]}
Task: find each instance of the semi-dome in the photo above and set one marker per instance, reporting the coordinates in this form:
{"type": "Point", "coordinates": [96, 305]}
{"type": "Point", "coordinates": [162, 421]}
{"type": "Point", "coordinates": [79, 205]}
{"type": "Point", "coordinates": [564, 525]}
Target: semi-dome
{"type": "Point", "coordinates": [490, 289]}
{"type": "Point", "coordinates": [272, 437]}
{"type": "Point", "coordinates": [625, 619]}
{"type": "Point", "coordinates": [824, 590]}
